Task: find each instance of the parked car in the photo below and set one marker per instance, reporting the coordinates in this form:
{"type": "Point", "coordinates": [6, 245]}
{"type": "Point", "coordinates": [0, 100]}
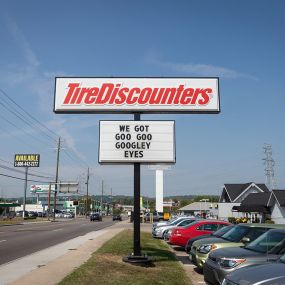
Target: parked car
{"type": "Point", "coordinates": [267, 247]}
{"type": "Point", "coordinates": [267, 274]}
{"type": "Point", "coordinates": [32, 214]}
{"type": "Point", "coordinates": [239, 235]}
{"type": "Point", "coordinates": [20, 214]}
{"type": "Point", "coordinates": [156, 217]}
{"type": "Point", "coordinates": [95, 217]}
{"type": "Point", "coordinates": [117, 218]}
{"type": "Point", "coordinates": [163, 223]}
{"type": "Point", "coordinates": [68, 215]}
{"type": "Point", "coordinates": [159, 232]}
{"type": "Point", "coordinates": [59, 215]}
{"type": "Point", "coordinates": [174, 222]}
{"type": "Point", "coordinates": [220, 232]}
{"type": "Point", "coordinates": [181, 235]}
{"type": "Point", "coordinates": [42, 214]}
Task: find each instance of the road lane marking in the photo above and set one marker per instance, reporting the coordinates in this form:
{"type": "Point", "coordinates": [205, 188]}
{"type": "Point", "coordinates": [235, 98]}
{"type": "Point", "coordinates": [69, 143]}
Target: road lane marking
{"type": "Point", "coordinates": [56, 230]}
{"type": "Point", "coordinates": [3, 240]}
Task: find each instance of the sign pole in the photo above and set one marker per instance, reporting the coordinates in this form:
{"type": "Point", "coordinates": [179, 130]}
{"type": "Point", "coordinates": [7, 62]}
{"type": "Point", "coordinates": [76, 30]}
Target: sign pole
{"type": "Point", "coordinates": [136, 257]}
{"type": "Point", "coordinates": [25, 192]}
{"type": "Point", "coordinates": [137, 190]}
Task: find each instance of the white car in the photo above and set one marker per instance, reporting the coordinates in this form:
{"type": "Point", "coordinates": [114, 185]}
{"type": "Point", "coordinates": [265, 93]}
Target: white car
{"type": "Point", "coordinates": [160, 231]}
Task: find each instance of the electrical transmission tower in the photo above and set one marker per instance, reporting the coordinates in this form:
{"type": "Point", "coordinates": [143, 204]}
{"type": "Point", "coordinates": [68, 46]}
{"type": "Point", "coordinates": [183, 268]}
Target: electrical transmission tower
{"type": "Point", "coordinates": [269, 164]}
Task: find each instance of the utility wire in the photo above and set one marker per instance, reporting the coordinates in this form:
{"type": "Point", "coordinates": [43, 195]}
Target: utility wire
{"type": "Point", "coordinates": [22, 130]}
{"type": "Point", "coordinates": [23, 172]}
{"type": "Point", "coordinates": [25, 121]}
{"type": "Point", "coordinates": [31, 171]}
{"type": "Point", "coordinates": [41, 124]}
{"type": "Point", "coordinates": [13, 177]}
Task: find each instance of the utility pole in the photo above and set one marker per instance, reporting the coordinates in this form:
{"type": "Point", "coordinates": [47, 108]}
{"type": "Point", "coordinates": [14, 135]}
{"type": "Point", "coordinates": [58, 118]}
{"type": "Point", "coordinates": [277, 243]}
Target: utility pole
{"type": "Point", "coordinates": [101, 204]}
{"type": "Point", "coordinates": [56, 178]}
{"type": "Point", "coordinates": [269, 164]}
{"type": "Point", "coordinates": [87, 184]}
{"type": "Point", "coordinates": [25, 191]}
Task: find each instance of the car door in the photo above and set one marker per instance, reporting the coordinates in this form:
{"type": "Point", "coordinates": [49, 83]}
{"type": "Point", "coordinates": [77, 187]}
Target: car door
{"type": "Point", "coordinates": [205, 228]}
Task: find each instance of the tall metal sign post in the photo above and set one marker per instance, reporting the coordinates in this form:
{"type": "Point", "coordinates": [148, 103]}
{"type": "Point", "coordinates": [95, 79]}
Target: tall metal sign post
{"type": "Point", "coordinates": [136, 142]}
{"type": "Point", "coordinates": [26, 160]}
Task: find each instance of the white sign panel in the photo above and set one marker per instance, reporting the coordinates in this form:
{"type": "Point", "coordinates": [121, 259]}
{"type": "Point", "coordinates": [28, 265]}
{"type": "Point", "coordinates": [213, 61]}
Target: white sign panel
{"type": "Point", "coordinates": [152, 95]}
{"type": "Point", "coordinates": [137, 141]}
{"type": "Point", "coordinates": [41, 188]}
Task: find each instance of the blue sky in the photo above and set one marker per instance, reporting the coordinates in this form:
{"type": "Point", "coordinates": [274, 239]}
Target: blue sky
{"type": "Point", "coordinates": [242, 42]}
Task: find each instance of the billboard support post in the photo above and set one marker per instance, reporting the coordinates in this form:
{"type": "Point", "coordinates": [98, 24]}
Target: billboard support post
{"type": "Point", "coordinates": [137, 190]}
{"type": "Point", "coordinates": [25, 191]}
{"type": "Point", "coordinates": [136, 257]}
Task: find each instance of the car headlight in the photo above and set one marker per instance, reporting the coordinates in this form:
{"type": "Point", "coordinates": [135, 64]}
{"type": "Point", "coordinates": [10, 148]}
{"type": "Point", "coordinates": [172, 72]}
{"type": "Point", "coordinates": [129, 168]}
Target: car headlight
{"type": "Point", "coordinates": [231, 262]}
{"type": "Point", "coordinates": [206, 248]}
{"type": "Point", "coordinates": [159, 230]}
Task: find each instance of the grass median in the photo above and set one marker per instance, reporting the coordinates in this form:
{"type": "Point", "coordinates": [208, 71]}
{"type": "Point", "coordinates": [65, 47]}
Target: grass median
{"type": "Point", "coordinates": [106, 265]}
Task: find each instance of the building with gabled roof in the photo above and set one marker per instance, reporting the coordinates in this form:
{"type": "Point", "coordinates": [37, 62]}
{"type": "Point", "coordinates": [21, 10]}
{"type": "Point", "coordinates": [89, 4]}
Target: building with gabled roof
{"type": "Point", "coordinates": [234, 194]}
{"type": "Point", "coordinates": [276, 203]}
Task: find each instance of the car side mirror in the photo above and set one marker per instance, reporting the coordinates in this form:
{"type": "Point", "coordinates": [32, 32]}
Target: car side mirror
{"type": "Point", "coordinates": [245, 240]}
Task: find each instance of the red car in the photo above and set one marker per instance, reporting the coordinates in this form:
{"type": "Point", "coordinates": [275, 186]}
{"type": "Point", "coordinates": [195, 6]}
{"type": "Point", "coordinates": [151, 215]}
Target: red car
{"type": "Point", "coordinates": [181, 235]}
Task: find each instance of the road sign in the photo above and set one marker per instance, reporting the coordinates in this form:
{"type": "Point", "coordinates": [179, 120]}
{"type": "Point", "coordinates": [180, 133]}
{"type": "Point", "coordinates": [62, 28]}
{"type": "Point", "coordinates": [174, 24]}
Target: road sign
{"type": "Point", "coordinates": [129, 95]}
{"type": "Point", "coordinates": [137, 141]}
{"type": "Point", "coordinates": [27, 160]}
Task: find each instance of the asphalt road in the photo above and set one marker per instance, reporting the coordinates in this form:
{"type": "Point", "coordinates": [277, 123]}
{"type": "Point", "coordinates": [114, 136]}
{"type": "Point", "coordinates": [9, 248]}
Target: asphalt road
{"type": "Point", "coordinates": [20, 240]}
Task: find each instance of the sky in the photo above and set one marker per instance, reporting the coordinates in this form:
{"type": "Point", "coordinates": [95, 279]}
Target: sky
{"type": "Point", "coordinates": [241, 42]}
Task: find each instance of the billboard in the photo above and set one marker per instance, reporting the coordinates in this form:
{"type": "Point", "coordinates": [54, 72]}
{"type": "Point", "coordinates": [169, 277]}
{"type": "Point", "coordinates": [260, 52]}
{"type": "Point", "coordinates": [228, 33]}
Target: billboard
{"type": "Point", "coordinates": [137, 142]}
{"type": "Point", "coordinates": [129, 95]}
{"type": "Point", "coordinates": [41, 189]}
{"type": "Point", "coordinates": [27, 160]}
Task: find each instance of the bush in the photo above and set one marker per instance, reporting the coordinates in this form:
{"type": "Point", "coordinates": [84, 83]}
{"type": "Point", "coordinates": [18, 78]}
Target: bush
{"type": "Point", "coordinates": [269, 222]}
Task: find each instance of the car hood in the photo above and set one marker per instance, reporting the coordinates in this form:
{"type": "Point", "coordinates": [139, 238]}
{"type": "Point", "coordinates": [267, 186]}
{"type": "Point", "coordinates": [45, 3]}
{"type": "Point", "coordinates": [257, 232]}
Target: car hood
{"type": "Point", "coordinates": [209, 241]}
{"type": "Point", "coordinates": [270, 273]}
{"type": "Point", "coordinates": [236, 252]}
{"type": "Point", "coordinates": [163, 228]}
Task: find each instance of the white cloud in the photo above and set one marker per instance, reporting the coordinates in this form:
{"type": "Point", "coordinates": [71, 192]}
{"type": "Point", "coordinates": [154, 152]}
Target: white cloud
{"type": "Point", "coordinates": [30, 78]}
{"type": "Point", "coordinates": [197, 69]}
{"type": "Point", "coordinates": [21, 41]}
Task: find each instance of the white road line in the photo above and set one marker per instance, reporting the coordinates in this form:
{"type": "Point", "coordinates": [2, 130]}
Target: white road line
{"type": "Point", "coordinates": [56, 230]}
{"type": "Point", "coordinates": [3, 240]}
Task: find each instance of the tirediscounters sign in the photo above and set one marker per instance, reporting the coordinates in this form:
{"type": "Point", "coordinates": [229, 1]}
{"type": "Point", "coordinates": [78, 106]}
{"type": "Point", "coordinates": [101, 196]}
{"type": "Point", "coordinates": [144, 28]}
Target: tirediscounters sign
{"type": "Point", "coordinates": [149, 95]}
{"type": "Point", "coordinates": [137, 142]}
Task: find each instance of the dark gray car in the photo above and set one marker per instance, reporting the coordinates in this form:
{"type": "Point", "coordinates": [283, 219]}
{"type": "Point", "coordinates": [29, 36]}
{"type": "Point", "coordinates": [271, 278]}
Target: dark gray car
{"type": "Point", "coordinates": [267, 274]}
{"type": "Point", "coordinates": [268, 247]}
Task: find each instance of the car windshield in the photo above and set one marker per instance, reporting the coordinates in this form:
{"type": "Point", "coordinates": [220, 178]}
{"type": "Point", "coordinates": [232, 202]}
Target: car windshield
{"type": "Point", "coordinates": [222, 231]}
{"type": "Point", "coordinates": [176, 222]}
{"type": "Point", "coordinates": [186, 223]}
{"type": "Point", "coordinates": [269, 242]}
{"type": "Point", "coordinates": [236, 233]}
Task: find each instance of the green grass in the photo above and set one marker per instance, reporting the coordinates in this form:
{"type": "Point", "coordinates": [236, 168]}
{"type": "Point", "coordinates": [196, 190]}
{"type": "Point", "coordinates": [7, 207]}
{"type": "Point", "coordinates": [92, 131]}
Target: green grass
{"type": "Point", "coordinates": [106, 266]}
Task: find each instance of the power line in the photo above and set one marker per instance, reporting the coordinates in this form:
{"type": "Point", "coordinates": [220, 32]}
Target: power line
{"type": "Point", "coordinates": [14, 177]}
{"type": "Point", "coordinates": [22, 172]}
{"type": "Point", "coordinates": [22, 130]}
{"type": "Point", "coordinates": [31, 171]}
{"type": "Point", "coordinates": [41, 124]}
{"type": "Point", "coordinates": [25, 121]}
